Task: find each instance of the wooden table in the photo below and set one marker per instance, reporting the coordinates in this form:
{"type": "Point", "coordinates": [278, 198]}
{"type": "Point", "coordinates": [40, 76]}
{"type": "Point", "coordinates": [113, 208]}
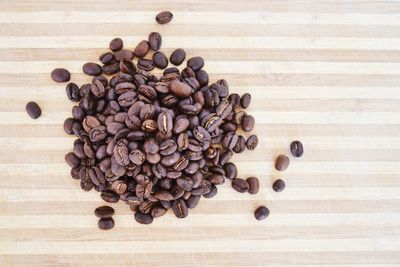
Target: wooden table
{"type": "Point", "coordinates": [323, 72]}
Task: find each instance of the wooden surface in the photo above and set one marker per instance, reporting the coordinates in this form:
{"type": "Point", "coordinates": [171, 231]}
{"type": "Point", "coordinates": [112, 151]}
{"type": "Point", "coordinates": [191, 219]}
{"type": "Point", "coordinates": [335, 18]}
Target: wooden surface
{"type": "Point", "coordinates": [323, 72]}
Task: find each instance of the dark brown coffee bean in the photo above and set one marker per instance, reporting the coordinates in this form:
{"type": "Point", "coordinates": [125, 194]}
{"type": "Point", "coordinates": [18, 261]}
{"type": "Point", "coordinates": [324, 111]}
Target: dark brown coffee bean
{"type": "Point", "coordinates": [179, 208]}
{"type": "Point", "coordinates": [127, 66]}
{"type": "Point", "coordinates": [173, 71]}
{"type": "Point", "coordinates": [137, 157]}
{"type": "Point", "coordinates": [164, 17]}
{"type": "Point", "coordinates": [238, 117]}
{"type": "Point", "coordinates": [281, 163]}
{"type": "Point", "coordinates": [278, 185]}
{"type": "Point", "coordinates": [261, 213]}
{"type": "Point", "coordinates": [92, 69]}
{"type": "Point", "coordinates": [149, 126]}
{"type": "Point", "coordinates": [164, 194]}
{"type": "Point", "coordinates": [146, 64]}
{"type": "Point", "coordinates": [72, 160]}
{"type": "Point", "coordinates": [123, 54]}
{"type": "Point", "coordinates": [72, 91]}
{"type": "Point", "coordinates": [211, 122]}
{"type": "Point", "coordinates": [230, 170]}
{"type": "Point", "coordinates": [213, 192]}
{"type": "Point", "coordinates": [111, 68]}
{"type": "Point", "coordinates": [170, 159]}
{"type": "Point", "coordinates": [254, 185]}
{"type": "Point", "coordinates": [90, 122]}
{"type": "Point", "coordinates": [185, 183]}
{"type": "Point", "coordinates": [195, 63]}
{"type": "Point", "coordinates": [116, 44]}
{"type": "Point", "coordinates": [234, 99]}
{"type": "Point", "coordinates": [104, 212]}
{"type": "Point", "coordinates": [60, 75]}
{"type": "Point", "coordinates": [230, 140]}
{"type": "Point", "coordinates": [240, 185]}
{"type": "Point", "coordinates": [240, 145]}
{"type": "Point", "coordinates": [225, 157]}
{"type": "Point", "coordinates": [245, 100]}
{"type": "Point", "coordinates": [202, 77]}
{"type": "Point", "coordinates": [164, 122]}
{"type": "Point", "coordinates": [78, 113]}
{"type": "Point", "coordinates": [177, 57]}
{"type": "Point", "coordinates": [158, 211]}
{"type": "Point", "coordinates": [143, 218]}
{"type": "Point", "coordinates": [106, 224]}
{"type": "Point", "coordinates": [180, 89]}
{"type": "Point", "coordinates": [192, 201]}
{"type": "Point", "coordinates": [252, 142]}
{"type": "Point", "coordinates": [247, 123]}
{"type": "Point", "coordinates": [168, 147]}
{"type": "Point", "coordinates": [160, 60]}
{"type": "Point", "coordinates": [296, 147]}
{"type": "Point", "coordinates": [127, 99]}
{"type": "Point", "coordinates": [106, 58]}
{"type": "Point", "coordinates": [142, 48]}
{"type": "Point", "coordinates": [97, 88]}
{"type": "Point", "coordinates": [155, 41]}
{"type": "Point", "coordinates": [109, 196]}
{"type": "Point", "coordinates": [153, 158]}
{"type": "Point", "coordinates": [121, 155]}
{"type": "Point", "coordinates": [119, 187]}
{"type": "Point", "coordinates": [68, 123]}
{"type": "Point", "coordinates": [216, 179]}
{"type": "Point", "coordinates": [33, 110]}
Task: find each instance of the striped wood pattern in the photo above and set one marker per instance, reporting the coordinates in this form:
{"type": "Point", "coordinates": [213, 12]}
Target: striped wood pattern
{"type": "Point", "coordinates": [324, 72]}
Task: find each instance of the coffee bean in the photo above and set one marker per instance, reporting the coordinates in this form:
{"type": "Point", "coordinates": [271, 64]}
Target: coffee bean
{"type": "Point", "coordinates": [155, 41]}
{"type": "Point", "coordinates": [240, 145]}
{"type": "Point", "coordinates": [177, 57]}
{"type": "Point", "coordinates": [261, 213]}
{"type": "Point", "coordinates": [179, 208]}
{"type": "Point", "coordinates": [195, 63]}
{"type": "Point", "coordinates": [106, 58]}
{"type": "Point", "coordinates": [247, 123]}
{"type": "Point", "coordinates": [92, 69]}
{"type": "Point", "coordinates": [245, 100]}
{"type": "Point", "coordinates": [119, 187]}
{"type": "Point", "coordinates": [281, 163]}
{"type": "Point", "coordinates": [216, 179]}
{"type": "Point", "coordinates": [158, 211]}
{"type": "Point", "coordinates": [230, 170]}
{"type": "Point", "coordinates": [234, 99]}
{"type": "Point", "coordinates": [240, 185]}
{"type": "Point", "coordinates": [278, 185]}
{"type": "Point", "coordinates": [72, 91]}
{"type": "Point", "coordinates": [109, 196]}
{"type": "Point", "coordinates": [60, 75]}
{"type": "Point", "coordinates": [146, 64]}
{"type": "Point", "coordinates": [72, 160]}
{"type": "Point", "coordinates": [143, 218]}
{"type": "Point", "coordinates": [106, 224]}
{"type": "Point", "coordinates": [137, 157]}
{"type": "Point", "coordinates": [296, 147]}
{"type": "Point", "coordinates": [164, 17]}
{"type": "Point", "coordinates": [202, 77]}
{"type": "Point", "coordinates": [254, 185]}
{"type": "Point", "coordinates": [142, 48]}
{"type": "Point", "coordinates": [252, 142]}
{"type": "Point", "coordinates": [116, 44]}
{"type": "Point", "coordinates": [104, 212]}
{"type": "Point", "coordinates": [160, 60]}
{"type": "Point", "coordinates": [33, 110]}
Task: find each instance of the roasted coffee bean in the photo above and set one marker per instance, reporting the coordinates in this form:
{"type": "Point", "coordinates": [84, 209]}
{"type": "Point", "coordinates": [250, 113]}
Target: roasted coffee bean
{"type": "Point", "coordinates": [180, 89]}
{"type": "Point", "coordinates": [127, 99]}
{"type": "Point", "coordinates": [127, 66]}
{"type": "Point", "coordinates": [223, 109]}
{"type": "Point", "coordinates": [104, 212]}
{"type": "Point", "coordinates": [111, 67]}
{"type": "Point", "coordinates": [211, 122]}
{"type": "Point", "coordinates": [68, 124]}
{"type": "Point", "coordinates": [137, 157]}
{"type": "Point", "coordinates": [153, 158]}
{"type": "Point", "coordinates": [254, 185]}
{"type": "Point", "coordinates": [247, 123]}
{"type": "Point", "coordinates": [230, 170]}
{"type": "Point", "coordinates": [146, 64]}
{"type": "Point", "coordinates": [252, 142]}
{"type": "Point", "coordinates": [60, 75]}
{"type": "Point", "coordinates": [151, 146]}
{"type": "Point", "coordinates": [240, 145]}
{"type": "Point", "coordinates": [72, 160]}
{"type": "Point", "coordinates": [164, 122]}
{"type": "Point", "coordinates": [149, 126]}
{"type": "Point", "coordinates": [192, 201]}
{"type": "Point", "coordinates": [155, 41]}
{"type": "Point", "coordinates": [202, 77]}
{"type": "Point", "coordinates": [109, 196]}
{"type": "Point", "coordinates": [168, 147]}
{"type": "Point", "coordinates": [230, 140]}
{"type": "Point", "coordinates": [225, 157]}
{"type": "Point", "coordinates": [238, 117]}
{"type": "Point", "coordinates": [90, 122]}
{"type": "Point", "coordinates": [281, 163]}
{"type": "Point", "coordinates": [216, 179]}
{"type": "Point", "coordinates": [143, 218]}
{"type": "Point", "coordinates": [106, 58]}
{"type": "Point", "coordinates": [187, 73]}
{"type": "Point", "coordinates": [240, 185]}
{"type": "Point", "coordinates": [116, 44]}
{"type": "Point", "coordinates": [158, 211]}
{"type": "Point", "coordinates": [174, 71]}
{"type": "Point", "coordinates": [142, 48]}
{"type": "Point", "coordinates": [123, 54]}
{"type": "Point", "coordinates": [72, 91]}
{"type": "Point", "coordinates": [164, 17]}
{"type": "Point", "coordinates": [78, 113]}
{"type": "Point", "coordinates": [106, 224]}
{"type": "Point", "coordinates": [97, 88]}
{"type": "Point", "coordinates": [261, 213]}
{"type": "Point", "coordinates": [245, 100]}
{"type": "Point", "coordinates": [165, 195]}
{"type": "Point", "coordinates": [296, 147]}
{"type": "Point", "coordinates": [119, 187]}
{"type": "Point", "coordinates": [195, 63]}
{"type": "Point", "coordinates": [234, 99]}
{"type": "Point", "coordinates": [92, 69]}
{"type": "Point", "coordinates": [33, 110]}
{"type": "Point", "coordinates": [179, 208]}
{"type": "Point", "coordinates": [160, 60]}
{"type": "Point", "coordinates": [186, 183]}
{"type": "Point", "coordinates": [177, 57]}
{"type": "Point", "coordinates": [121, 155]}
{"type": "Point", "coordinates": [278, 185]}
{"type": "Point", "coordinates": [212, 193]}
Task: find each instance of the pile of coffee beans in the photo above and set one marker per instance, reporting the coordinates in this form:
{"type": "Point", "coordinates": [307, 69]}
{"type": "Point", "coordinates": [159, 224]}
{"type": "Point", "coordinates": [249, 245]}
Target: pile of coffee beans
{"type": "Point", "coordinates": [156, 143]}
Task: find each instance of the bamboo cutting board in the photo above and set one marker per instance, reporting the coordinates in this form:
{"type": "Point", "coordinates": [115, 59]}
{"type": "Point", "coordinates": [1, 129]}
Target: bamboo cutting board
{"type": "Point", "coordinates": [323, 72]}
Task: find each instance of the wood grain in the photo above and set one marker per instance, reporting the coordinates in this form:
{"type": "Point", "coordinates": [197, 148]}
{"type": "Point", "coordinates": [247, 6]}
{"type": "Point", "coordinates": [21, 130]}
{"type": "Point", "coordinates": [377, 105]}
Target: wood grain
{"type": "Point", "coordinates": [323, 72]}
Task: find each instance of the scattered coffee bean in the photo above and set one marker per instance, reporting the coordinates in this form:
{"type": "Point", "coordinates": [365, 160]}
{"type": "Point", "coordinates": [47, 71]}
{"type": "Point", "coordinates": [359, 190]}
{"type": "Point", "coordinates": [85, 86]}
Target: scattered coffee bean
{"type": "Point", "coordinates": [155, 41]}
{"type": "Point", "coordinates": [33, 110]}
{"type": "Point", "coordinates": [278, 185]}
{"type": "Point", "coordinates": [261, 213]}
{"type": "Point", "coordinates": [296, 147]}
{"type": "Point", "coordinates": [245, 100]}
{"type": "Point", "coordinates": [92, 69]}
{"type": "Point", "coordinates": [104, 212]}
{"type": "Point", "coordinates": [116, 44]}
{"type": "Point", "coordinates": [106, 224]}
{"type": "Point", "coordinates": [73, 93]}
{"type": "Point", "coordinates": [247, 123]}
{"type": "Point", "coordinates": [160, 60]}
{"type": "Point", "coordinates": [60, 75]}
{"type": "Point", "coordinates": [252, 142]}
{"type": "Point", "coordinates": [281, 163]}
{"type": "Point", "coordinates": [254, 185]}
{"type": "Point", "coordinates": [164, 17]}
{"type": "Point", "coordinates": [143, 218]}
{"type": "Point", "coordinates": [240, 185]}
{"type": "Point", "coordinates": [142, 48]}
{"type": "Point", "coordinates": [195, 63]}
{"type": "Point", "coordinates": [177, 57]}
